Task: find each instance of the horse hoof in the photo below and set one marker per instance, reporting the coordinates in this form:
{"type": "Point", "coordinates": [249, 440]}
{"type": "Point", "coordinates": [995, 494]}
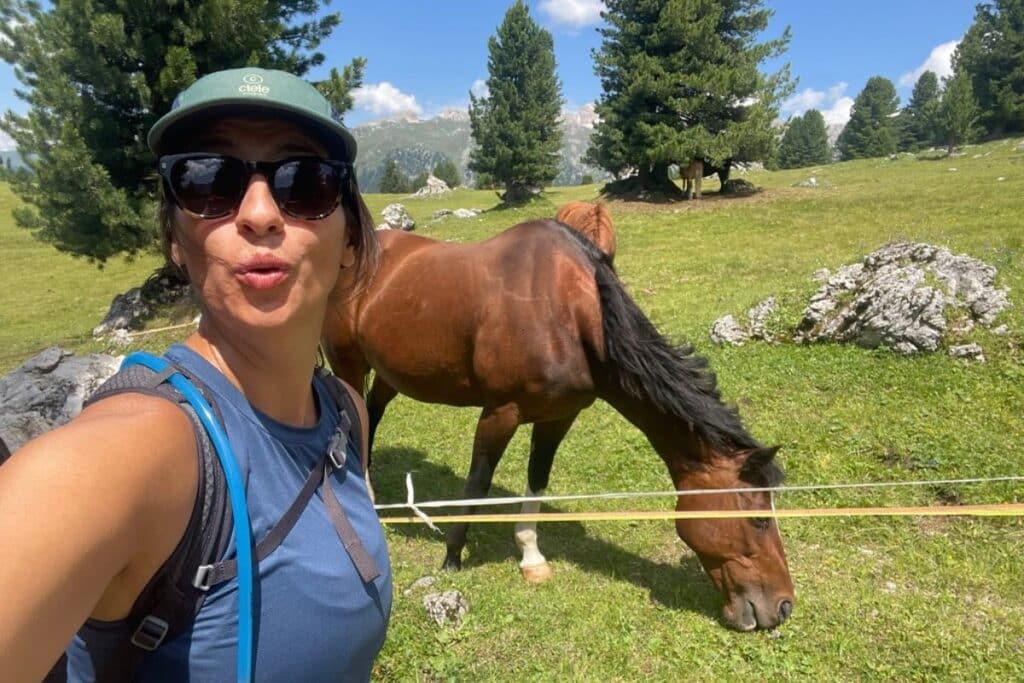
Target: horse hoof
{"type": "Point", "coordinates": [537, 573]}
{"type": "Point", "coordinates": [451, 564]}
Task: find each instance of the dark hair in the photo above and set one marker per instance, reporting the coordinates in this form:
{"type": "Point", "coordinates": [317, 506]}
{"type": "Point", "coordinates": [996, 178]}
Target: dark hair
{"type": "Point", "coordinates": [358, 223]}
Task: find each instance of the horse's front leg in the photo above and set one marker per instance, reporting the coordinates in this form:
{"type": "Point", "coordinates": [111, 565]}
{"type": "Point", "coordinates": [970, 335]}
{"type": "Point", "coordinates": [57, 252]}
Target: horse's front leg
{"type": "Point", "coordinates": [493, 432]}
{"type": "Point", "coordinates": [381, 394]}
{"type": "Point", "coordinates": [543, 444]}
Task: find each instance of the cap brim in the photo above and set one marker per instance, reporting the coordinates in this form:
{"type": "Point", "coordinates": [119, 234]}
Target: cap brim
{"type": "Point", "coordinates": [172, 127]}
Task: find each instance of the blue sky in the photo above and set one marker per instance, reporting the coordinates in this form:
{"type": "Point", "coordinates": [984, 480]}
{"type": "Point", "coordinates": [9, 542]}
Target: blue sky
{"type": "Point", "coordinates": [424, 57]}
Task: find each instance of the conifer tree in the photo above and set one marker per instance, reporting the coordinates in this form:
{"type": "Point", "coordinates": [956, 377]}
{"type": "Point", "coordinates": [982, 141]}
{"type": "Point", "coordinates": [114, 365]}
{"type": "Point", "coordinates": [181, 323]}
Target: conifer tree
{"type": "Point", "coordinates": [515, 126]}
{"type": "Point", "coordinates": [917, 120]}
{"type": "Point", "coordinates": [447, 171]}
{"type": "Point", "coordinates": [958, 113]}
{"type": "Point", "coordinates": [871, 131]}
{"type": "Point", "coordinates": [98, 73]}
{"type": "Point", "coordinates": [681, 80]}
{"type": "Point", "coordinates": [392, 180]}
{"type": "Point", "coordinates": [805, 142]}
{"type": "Point", "coordinates": [992, 55]}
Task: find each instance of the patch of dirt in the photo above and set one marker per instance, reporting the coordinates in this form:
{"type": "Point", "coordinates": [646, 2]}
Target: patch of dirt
{"type": "Point", "coordinates": [933, 526]}
{"type": "Point", "coordinates": [894, 458]}
{"type": "Point", "coordinates": [708, 202]}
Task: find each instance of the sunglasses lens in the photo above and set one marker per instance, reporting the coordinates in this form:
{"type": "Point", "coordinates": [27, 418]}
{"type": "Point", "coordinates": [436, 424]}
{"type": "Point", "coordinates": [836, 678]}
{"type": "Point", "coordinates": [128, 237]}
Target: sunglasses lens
{"type": "Point", "coordinates": [209, 187]}
{"type": "Point", "coordinates": [307, 188]}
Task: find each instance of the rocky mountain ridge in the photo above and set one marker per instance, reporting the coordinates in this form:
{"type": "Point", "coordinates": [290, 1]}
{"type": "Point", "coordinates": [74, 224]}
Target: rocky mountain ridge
{"type": "Point", "coordinates": [417, 145]}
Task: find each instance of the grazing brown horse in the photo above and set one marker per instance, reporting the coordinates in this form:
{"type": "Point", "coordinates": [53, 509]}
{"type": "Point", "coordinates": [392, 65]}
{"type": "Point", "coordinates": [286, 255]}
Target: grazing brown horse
{"type": "Point", "coordinates": [593, 222]}
{"type": "Point", "coordinates": [533, 325]}
{"type": "Point", "coordinates": [693, 177]}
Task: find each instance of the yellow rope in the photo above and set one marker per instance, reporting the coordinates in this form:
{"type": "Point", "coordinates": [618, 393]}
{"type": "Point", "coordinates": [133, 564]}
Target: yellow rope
{"type": "Point", "coordinates": [143, 333]}
{"type": "Point", "coordinates": [998, 510]}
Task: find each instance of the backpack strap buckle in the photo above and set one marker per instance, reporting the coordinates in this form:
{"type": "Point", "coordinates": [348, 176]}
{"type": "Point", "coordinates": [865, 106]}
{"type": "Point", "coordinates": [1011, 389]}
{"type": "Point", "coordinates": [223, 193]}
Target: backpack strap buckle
{"type": "Point", "coordinates": [150, 633]}
{"type": "Point", "coordinates": [337, 448]}
{"type": "Point", "coordinates": [202, 578]}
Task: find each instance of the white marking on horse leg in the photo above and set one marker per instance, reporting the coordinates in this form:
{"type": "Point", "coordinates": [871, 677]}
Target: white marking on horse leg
{"type": "Point", "coordinates": [526, 534]}
{"type": "Point", "coordinates": [533, 566]}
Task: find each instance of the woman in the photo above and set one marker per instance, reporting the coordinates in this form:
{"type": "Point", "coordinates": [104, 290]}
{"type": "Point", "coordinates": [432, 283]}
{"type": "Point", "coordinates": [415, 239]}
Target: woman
{"type": "Point", "coordinates": [261, 211]}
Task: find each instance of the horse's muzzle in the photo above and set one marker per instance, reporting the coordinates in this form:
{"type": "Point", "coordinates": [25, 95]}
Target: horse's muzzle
{"type": "Point", "coordinates": [743, 614]}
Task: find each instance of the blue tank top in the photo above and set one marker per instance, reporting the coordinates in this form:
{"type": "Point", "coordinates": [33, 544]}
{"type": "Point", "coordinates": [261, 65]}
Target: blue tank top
{"type": "Point", "coordinates": [317, 620]}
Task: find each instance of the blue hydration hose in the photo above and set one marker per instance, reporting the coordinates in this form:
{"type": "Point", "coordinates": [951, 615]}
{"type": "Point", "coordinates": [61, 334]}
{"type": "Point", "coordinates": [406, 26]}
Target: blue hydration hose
{"type": "Point", "coordinates": [236, 494]}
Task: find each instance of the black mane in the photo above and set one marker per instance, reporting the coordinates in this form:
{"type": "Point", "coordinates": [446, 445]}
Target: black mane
{"type": "Point", "coordinates": [647, 367]}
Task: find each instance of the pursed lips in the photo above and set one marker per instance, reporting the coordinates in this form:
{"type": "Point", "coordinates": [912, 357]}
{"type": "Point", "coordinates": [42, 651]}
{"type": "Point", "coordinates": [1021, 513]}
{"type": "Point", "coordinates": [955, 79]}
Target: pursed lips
{"type": "Point", "coordinates": [262, 272]}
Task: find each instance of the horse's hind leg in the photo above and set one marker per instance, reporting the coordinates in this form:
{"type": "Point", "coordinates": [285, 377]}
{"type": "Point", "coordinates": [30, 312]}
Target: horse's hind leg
{"type": "Point", "coordinates": [493, 432]}
{"type": "Point", "coordinates": [377, 401]}
{"type": "Point", "coordinates": [543, 444]}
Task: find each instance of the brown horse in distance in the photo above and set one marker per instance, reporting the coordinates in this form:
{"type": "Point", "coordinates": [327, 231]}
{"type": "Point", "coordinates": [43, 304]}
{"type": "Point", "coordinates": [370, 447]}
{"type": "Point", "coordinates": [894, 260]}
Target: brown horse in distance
{"type": "Point", "coordinates": [533, 326]}
{"type": "Point", "coordinates": [592, 221]}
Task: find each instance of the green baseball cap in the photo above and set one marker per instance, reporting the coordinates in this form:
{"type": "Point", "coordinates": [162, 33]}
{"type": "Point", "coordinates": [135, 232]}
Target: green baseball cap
{"type": "Point", "coordinates": [250, 90]}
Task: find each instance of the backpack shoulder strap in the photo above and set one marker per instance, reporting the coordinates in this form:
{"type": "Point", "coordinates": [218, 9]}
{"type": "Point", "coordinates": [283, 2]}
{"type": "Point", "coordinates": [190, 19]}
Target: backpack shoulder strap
{"type": "Point", "coordinates": [347, 399]}
{"type": "Point", "coordinates": [170, 601]}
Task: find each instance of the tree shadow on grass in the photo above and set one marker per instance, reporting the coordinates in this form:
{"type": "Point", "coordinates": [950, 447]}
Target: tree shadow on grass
{"type": "Point", "coordinates": [677, 585]}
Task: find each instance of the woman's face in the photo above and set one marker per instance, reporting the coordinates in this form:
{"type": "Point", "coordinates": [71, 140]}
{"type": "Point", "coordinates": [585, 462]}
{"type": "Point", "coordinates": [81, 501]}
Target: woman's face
{"type": "Point", "coordinates": [259, 266]}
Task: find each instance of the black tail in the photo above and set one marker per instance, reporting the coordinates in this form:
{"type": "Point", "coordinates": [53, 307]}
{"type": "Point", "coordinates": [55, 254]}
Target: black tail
{"type": "Point", "coordinates": [641, 362]}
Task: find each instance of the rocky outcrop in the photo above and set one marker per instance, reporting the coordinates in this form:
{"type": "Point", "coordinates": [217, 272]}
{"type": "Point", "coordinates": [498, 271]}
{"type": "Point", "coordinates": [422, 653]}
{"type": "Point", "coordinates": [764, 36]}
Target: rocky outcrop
{"type": "Point", "coordinates": [434, 187]}
{"type": "Point", "coordinates": [905, 296]}
{"type": "Point", "coordinates": [396, 217]}
{"type": "Point", "coordinates": [728, 330]}
{"type": "Point", "coordinates": [129, 311]}
{"type": "Point", "coordinates": [738, 187]}
{"type": "Point", "coordinates": [47, 390]}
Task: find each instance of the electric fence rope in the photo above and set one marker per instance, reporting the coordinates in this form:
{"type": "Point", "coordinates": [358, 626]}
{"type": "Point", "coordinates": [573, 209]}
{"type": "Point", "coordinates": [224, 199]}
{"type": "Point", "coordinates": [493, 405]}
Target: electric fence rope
{"type": "Point", "coordinates": [987, 510]}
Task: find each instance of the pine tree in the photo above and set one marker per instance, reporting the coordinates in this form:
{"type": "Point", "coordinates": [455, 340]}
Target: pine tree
{"type": "Point", "coordinates": [958, 114]}
{"type": "Point", "coordinates": [871, 131]}
{"type": "Point", "coordinates": [515, 127]}
{"type": "Point", "coordinates": [446, 171]}
{"type": "Point", "coordinates": [680, 81]}
{"type": "Point", "coordinates": [393, 181]}
{"type": "Point", "coordinates": [917, 119]}
{"type": "Point", "coordinates": [98, 74]}
{"type": "Point", "coordinates": [805, 142]}
{"type": "Point", "coordinates": [992, 55]}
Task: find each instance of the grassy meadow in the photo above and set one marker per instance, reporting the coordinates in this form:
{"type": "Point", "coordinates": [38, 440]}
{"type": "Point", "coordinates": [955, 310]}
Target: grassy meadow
{"type": "Point", "coordinates": [878, 599]}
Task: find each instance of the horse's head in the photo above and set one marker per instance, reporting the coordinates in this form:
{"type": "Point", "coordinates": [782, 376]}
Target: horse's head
{"type": "Point", "coordinates": [742, 556]}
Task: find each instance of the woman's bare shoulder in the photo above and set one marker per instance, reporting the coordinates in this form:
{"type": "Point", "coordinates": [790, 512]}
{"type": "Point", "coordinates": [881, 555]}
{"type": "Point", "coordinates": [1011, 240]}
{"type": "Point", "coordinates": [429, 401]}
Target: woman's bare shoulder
{"type": "Point", "coordinates": [91, 509]}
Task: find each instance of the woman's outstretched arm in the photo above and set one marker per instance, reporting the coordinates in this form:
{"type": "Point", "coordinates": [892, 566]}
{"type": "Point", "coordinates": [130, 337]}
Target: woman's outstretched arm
{"type": "Point", "coordinates": [88, 513]}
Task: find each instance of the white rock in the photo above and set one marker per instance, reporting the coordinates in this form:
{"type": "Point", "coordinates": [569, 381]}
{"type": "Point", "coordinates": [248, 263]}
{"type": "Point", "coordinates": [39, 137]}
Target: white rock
{"type": "Point", "coordinates": [396, 216]}
{"type": "Point", "coordinates": [446, 607]}
{"type": "Point", "coordinates": [726, 330]}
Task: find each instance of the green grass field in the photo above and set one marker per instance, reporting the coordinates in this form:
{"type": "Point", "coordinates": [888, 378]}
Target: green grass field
{"type": "Point", "coordinates": [877, 598]}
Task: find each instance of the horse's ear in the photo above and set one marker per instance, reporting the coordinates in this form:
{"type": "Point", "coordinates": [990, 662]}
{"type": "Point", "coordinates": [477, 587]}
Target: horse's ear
{"type": "Point", "coordinates": [760, 462]}
{"type": "Point", "coordinates": [759, 457]}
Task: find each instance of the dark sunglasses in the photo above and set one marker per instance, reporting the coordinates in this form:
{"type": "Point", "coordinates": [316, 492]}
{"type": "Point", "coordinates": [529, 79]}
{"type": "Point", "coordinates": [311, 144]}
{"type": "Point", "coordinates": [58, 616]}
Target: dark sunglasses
{"type": "Point", "coordinates": [209, 185]}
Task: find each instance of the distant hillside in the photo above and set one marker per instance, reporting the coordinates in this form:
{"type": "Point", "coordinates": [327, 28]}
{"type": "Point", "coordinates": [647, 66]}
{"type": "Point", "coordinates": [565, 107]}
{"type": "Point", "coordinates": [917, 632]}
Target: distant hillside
{"type": "Point", "coordinates": [13, 156]}
{"type": "Point", "coordinates": [418, 145]}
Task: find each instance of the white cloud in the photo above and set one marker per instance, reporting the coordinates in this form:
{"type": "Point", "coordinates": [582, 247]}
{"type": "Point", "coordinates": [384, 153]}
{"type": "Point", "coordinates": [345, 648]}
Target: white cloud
{"type": "Point", "coordinates": [6, 143]}
{"type": "Point", "coordinates": [839, 112]}
{"type": "Point", "coordinates": [940, 60]}
{"type": "Point", "coordinates": [479, 88]}
{"type": "Point", "coordinates": [572, 13]}
{"type": "Point", "coordinates": [385, 100]}
{"type": "Point", "coordinates": [832, 103]}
